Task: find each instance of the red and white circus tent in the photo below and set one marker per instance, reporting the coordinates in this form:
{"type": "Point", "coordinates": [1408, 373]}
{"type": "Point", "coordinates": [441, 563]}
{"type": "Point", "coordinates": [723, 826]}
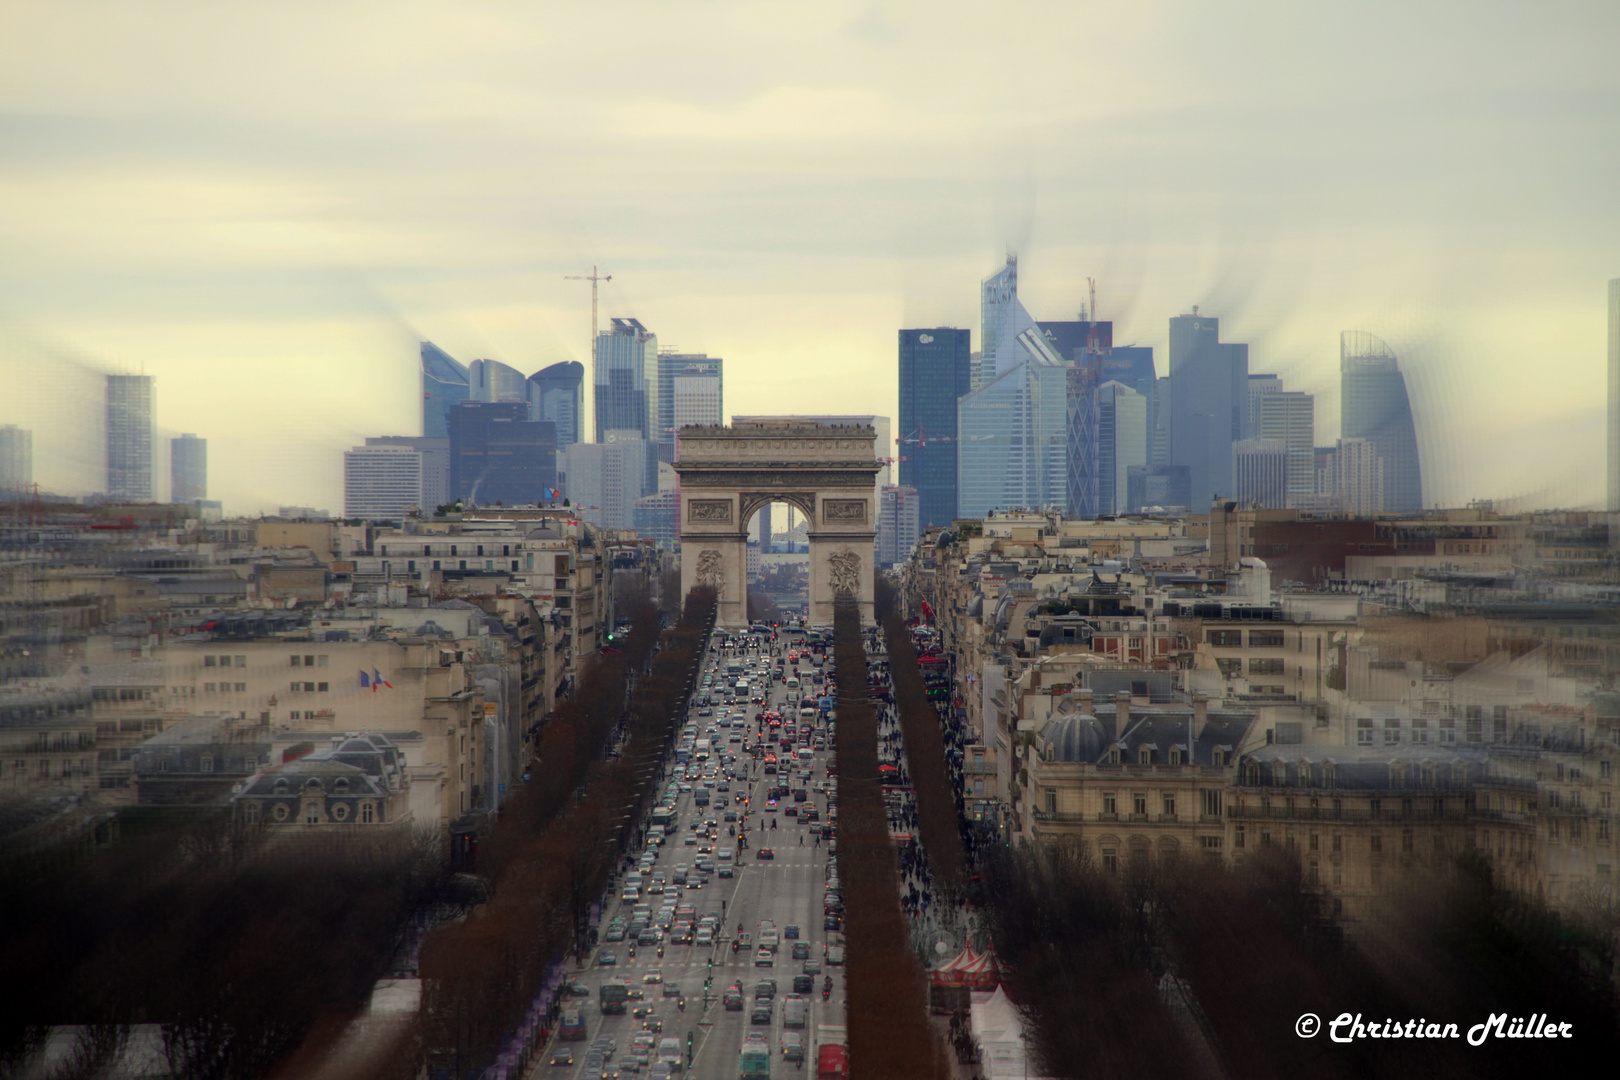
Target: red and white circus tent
{"type": "Point", "coordinates": [951, 982]}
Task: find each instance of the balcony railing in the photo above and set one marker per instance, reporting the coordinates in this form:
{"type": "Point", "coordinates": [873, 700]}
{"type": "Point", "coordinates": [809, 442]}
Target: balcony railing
{"type": "Point", "coordinates": [1328, 813]}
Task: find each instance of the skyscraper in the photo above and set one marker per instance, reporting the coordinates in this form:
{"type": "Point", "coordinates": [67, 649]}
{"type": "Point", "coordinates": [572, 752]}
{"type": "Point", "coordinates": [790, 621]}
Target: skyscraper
{"type": "Point", "coordinates": [626, 380]}
{"type": "Point", "coordinates": [435, 455]}
{"type": "Point", "coordinates": [673, 366]}
{"type": "Point", "coordinates": [1290, 417]}
{"type": "Point", "coordinates": [1260, 472]}
{"type": "Point", "coordinates": [1374, 406]}
{"type": "Point", "coordinates": [129, 437]}
{"type": "Point", "coordinates": [1351, 474]}
{"type": "Point", "coordinates": [605, 478]}
{"type": "Point", "coordinates": [1012, 442]}
{"type": "Point", "coordinates": [1121, 444]}
{"type": "Point", "coordinates": [445, 383]}
{"type": "Point", "coordinates": [696, 400]}
{"type": "Point", "coordinates": [897, 526]}
{"type": "Point", "coordinates": [1209, 402]}
{"type": "Point", "coordinates": [936, 369]}
{"type": "Point", "coordinates": [1001, 319]}
{"type": "Point", "coordinates": [1259, 387]}
{"type": "Point", "coordinates": [16, 459]}
{"type": "Point", "coordinates": [1614, 395]}
{"type": "Point", "coordinates": [381, 482]}
{"type": "Point", "coordinates": [491, 380]}
{"type": "Point", "coordinates": [188, 469]}
{"type": "Point", "coordinates": [1081, 383]}
{"type": "Point", "coordinates": [497, 454]}
{"type": "Point", "coordinates": [557, 393]}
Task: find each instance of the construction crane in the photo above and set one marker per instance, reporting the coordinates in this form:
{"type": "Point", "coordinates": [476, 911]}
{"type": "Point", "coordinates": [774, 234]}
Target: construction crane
{"type": "Point", "coordinates": [594, 278]}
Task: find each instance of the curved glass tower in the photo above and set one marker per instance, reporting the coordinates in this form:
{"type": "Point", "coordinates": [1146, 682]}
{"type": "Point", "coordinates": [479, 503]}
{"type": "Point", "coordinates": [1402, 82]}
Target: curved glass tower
{"type": "Point", "coordinates": [557, 393]}
{"type": "Point", "coordinates": [1374, 406]}
{"type": "Point", "coordinates": [491, 380]}
{"type": "Point", "coordinates": [444, 384]}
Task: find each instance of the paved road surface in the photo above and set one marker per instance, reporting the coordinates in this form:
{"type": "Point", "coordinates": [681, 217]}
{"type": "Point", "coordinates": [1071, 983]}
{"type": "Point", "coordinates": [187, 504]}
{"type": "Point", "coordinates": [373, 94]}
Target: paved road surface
{"type": "Point", "coordinates": [786, 890]}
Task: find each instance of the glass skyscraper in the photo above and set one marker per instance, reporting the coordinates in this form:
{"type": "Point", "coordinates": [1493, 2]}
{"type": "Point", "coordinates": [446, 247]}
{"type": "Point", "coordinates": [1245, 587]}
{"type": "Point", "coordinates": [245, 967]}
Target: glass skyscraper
{"type": "Point", "coordinates": [1012, 443]}
{"type": "Point", "coordinates": [129, 437]}
{"type": "Point", "coordinates": [491, 380]}
{"type": "Point", "coordinates": [497, 454]}
{"type": "Point", "coordinates": [1209, 405]}
{"type": "Point", "coordinates": [557, 393]}
{"type": "Point", "coordinates": [188, 469]}
{"type": "Point", "coordinates": [1002, 317]}
{"type": "Point", "coordinates": [445, 384]}
{"type": "Point", "coordinates": [1121, 443]}
{"type": "Point", "coordinates": [1289, 416]}
{"type": "Point", "coordinates": [16, 458]}
{"type": "Point", "coordinates": [1374, 406]}
{"type": "Point", "coordinates": [627, 380]}
{"type": "Point", "coordinates": [670, 366]}
{"type": "Point", "coordinates": [936, 370]}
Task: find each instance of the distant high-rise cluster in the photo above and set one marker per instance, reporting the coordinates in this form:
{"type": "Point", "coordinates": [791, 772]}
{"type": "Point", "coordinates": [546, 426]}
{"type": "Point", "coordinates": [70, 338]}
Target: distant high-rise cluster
{"type": "Point", "coordinates": [16, 458]}
{"type": "Point", "coordinates": [188, 469]}
{"type": "Point", "coordinates": [1055, 415]}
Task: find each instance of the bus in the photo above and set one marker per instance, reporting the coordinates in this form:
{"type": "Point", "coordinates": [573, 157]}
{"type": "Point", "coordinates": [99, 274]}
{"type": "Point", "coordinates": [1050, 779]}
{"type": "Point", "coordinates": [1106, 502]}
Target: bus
{"type": "Point", "coordinates": [756, 1060]}
{"type": "Point", "coordinates": [614, 995]}
{"type": "Point", "coordinates": [572, 1027]}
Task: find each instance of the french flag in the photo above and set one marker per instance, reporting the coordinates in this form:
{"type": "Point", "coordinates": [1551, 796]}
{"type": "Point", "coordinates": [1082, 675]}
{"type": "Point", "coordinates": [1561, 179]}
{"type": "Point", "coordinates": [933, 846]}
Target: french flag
{"type": "Point", "coordinates": [365, 681]}
{"type": "Point", "coordinates": [377, 680]}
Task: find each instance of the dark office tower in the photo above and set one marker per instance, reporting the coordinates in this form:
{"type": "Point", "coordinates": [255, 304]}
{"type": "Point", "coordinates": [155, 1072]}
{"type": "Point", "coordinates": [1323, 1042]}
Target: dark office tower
{"type": "Point", "coordinates": [497, 454]}
{"type": "Point", "coordinates": [557, 393]}
{"type": "Point", "coordinates": [1374, 406]}
{"type": "Point", "coordinates": [626, 380]}
{"type": "Point", "coordinates": [445, 384]}
{"type": "Point", "coordinates": [129, 437]}
{"type": "Point", "coordinates": [672, 366]}
{"type": "Point", "coordinates": [188, 469]}
{"type": "Point", "coordinates": [936, 368]}
{"type": "Point", "coordinates": [1209, 404]}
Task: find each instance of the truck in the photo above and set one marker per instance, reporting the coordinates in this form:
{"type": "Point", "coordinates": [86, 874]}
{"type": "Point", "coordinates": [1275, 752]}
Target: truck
{"type": "Point", "coordinates": [832, 1053]}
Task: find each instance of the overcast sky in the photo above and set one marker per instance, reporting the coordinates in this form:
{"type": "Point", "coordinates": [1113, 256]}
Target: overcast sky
{"type": "Point", "coordinates": [266, 205]}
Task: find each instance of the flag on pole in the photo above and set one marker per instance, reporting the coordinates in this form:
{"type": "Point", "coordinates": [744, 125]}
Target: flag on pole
{"type": "Point", "coordinates": [377, 680]}
{"type": "Point", "coordinates": [365, 680]}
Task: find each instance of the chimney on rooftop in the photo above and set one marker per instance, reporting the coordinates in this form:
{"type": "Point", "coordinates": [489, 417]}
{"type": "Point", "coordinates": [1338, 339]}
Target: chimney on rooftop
{"type": "Point", "coordinates": [1200, 704]}
{"type": "Point", "coordinates": [1122, 712]}
{"type": "Point", "coordinates": [1085, 700]}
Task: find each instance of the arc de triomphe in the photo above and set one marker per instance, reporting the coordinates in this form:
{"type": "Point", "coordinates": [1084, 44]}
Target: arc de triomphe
{"type": "Point", "coordinates": [827, 471]}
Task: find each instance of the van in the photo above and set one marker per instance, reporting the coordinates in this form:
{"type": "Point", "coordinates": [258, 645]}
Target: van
{"type": "Point", "coordinates": [832, 1062]}
{"type": "Point", "coordinates": [795, 1012]}
{"type": "Point", "coordinates": [700, 796]}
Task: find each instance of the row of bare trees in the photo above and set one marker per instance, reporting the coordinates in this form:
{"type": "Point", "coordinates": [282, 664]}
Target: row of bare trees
{"type": "Point", "coordinates": [938, 823]}
{"type": "Point", "coordinates": [551, 854]}
{"type": "Point", "coordinates": [1191, 969]}
{"type": "Point", "coordinates": [887, 1004]}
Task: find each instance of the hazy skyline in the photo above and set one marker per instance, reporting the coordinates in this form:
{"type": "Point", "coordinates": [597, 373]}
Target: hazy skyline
{"type": "Point", "coordinates": [267, 208]}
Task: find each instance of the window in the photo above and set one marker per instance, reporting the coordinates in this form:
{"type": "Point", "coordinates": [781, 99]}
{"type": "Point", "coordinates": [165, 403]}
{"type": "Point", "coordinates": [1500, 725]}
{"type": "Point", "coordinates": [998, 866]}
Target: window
{"type": "Point", "coordinates": [1420, 732]}
{"type": "Point", "coordinates": [1169, 806]}
{"type": "Point", "coordinates": [1113, 755]}
{"type": "Point", "coordinates": [322, 687]}
{"type": "Point", "coordinates": [297, 661]}
{"type": "Point", "coordinates": [241, 661]}
{"type": "Point", "coordinates": [1271, 666]}
{"type": "Point", "coordinates": [1448, 732]}
{"type": "Point", "coordinates": [207, 763]}
{"type": "Point", "coordinates": [1392, 732]}
{"type": "Point", "coordinates": [1338, 876]}
{"type": "Point", "coordinates": [1211, 844]}
{"type": "Point", "coordinates": [1051, 800]}
{"type": "Point", "coordinates": [1364, 732]}
{"type": "Point", "coordinates": [1144, 756]}
{"type": "Point", "coordinates": [1338, 843]}
{"type": "Point", "coordinates": [1406, 840]}
{"type": "Point", "coordinates": [1226, 639]}
{"type": "Point", "coordinates": [1315, 843]}
{"type": "Point", "coordinates": [1139, 803]}
{"type": "Point", "coordinates": [1266, 639]}
{"type": "Point", "coordinates": [241, 688]}
{"type": "Point", "coordinates": [367, 814]}
{"type": "Point", "coordinates": [208, 687]}
{"type": "Point", "coordinates": [1311, 876]}
{"type": "Point", "coordinates": [1110, 859]}
{"type": "Point", "coordinates": [1110, 807]}
{"type": "Point", "coordinates": [321, 660]}
{"type": "Point", "coordinates": [1238, 837]}
{"type": "Point", "coordinates": [1376, 840]}
{"type": "Point", "coordinates": [210, 661]}
{"type": "Point", "coordinates": [1212, 802]}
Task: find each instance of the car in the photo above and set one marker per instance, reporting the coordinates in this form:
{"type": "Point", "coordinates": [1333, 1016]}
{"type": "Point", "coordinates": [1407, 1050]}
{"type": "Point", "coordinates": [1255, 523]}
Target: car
{"type": "Point", "coordinates": [653, 975]}
{"type": "Point", "coordinates": [792, 1046]}
{"type": "Point", "coordinates": [725, 870]}
{"type": "Point", "coordinates": [607, 958]}
{"type": "Point", "coordinates": [730, 816]}
{"type": "Point", "coordinates": [764, 957]}
{"type": "Point", "coordinates": [790, 932]}
{"type": "Point", "coordinates": [648, 936]}
{"type": "Point", "coordinates": [812, 966]}
{"type": "Point", "coordinates": [563, 1058]}
{"type": "Point", "coordinates": [614, 933]}
{"type": "Point", "coordinates": [651, 1022]}
{"type": "Point", "coordinates": [801, 950]}
{"type": "Point", "coordinates": [761, 1013]}
{"type": "Point", "coordinates": [604, 1045]}
{"type": "Point", "coordinates": [691, 840]}
{"type": "Point", "coordinates": [577, 989]}
{"type": "Point", "coordinates": [764, 853]}
{"type": "Point", "coordinates": [804, 984]}
{"type": "Point", "coordinates": [673, 990]}
{"type": "Point", "coordinates": [643, 1010]}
